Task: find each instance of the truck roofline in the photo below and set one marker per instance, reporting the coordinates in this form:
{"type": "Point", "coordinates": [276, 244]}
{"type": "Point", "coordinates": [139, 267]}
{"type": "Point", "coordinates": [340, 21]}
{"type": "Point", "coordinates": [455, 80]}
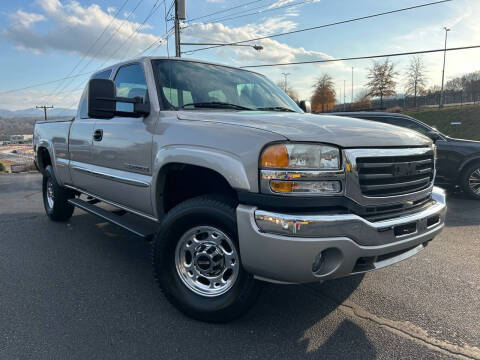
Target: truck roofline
{"type": "Point", "coordinates": [149, 58]}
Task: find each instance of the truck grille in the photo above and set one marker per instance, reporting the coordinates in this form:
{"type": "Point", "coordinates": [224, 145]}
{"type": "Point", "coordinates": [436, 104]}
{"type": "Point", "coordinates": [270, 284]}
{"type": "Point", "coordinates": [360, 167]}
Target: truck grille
{"type": "Point", "coordinates": [395, 175]}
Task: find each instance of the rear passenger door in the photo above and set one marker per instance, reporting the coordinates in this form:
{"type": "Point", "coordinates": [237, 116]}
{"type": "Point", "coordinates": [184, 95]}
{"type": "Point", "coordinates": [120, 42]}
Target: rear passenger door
{"type": "Point", "coordinates": [122, 147]}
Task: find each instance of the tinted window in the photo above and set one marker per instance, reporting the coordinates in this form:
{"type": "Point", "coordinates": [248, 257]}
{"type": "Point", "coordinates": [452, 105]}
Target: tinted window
{"type": "Point", "coordinates": [403, 122]}
{"type": "Point", "coordinates": [83, 105]}
{"type": "Point", "coordinates": [130, 82]}
{"type": "Point", "coordinates": [84, 99]}
{"type": "Point", "coordinates": [102, 75]}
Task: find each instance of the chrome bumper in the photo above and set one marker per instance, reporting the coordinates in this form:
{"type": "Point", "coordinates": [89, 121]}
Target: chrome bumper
{"type": "Point", "coordinates": [298, 248]}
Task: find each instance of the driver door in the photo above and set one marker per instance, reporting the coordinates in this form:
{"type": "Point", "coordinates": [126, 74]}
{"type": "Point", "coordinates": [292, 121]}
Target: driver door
{"type": "Point", "coordinates": [122, 148]}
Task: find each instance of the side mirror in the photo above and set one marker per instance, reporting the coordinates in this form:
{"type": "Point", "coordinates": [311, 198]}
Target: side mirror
{"type": "Point", "coordinates": [434, 135]}
{"type": "Point", "coordinates": [103, 104]}
{"type": "Point", "coordinates": [306, 106]}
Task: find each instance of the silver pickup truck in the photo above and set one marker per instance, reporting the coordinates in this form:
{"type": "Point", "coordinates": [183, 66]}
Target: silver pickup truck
{"type": "Point", "coordinates": [238, 182]}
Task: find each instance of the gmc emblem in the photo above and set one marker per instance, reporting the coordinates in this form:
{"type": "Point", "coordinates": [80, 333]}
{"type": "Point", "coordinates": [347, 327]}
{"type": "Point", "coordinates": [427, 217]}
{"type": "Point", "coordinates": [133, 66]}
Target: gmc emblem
{"type": "Point", "coordinates": [405, 169]}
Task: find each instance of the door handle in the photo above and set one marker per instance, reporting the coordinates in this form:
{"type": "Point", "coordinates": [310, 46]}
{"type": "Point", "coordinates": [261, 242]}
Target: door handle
{"type": "Point", "coordinates": [98, 135]}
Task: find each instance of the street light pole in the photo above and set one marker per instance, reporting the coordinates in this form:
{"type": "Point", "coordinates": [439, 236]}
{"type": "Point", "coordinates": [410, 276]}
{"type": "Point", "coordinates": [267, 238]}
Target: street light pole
{"type": "Point", "coordinates": [255, 46]}
{"type": "Point", "coordinates": [285, 81]}
{"type": "Point", "coordinates": [443, 71]}
{"type": "Point", "coordinates": [352, 88]}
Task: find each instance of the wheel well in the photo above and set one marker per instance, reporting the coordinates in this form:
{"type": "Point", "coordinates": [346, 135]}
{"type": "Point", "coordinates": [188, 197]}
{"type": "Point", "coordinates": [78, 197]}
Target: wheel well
{"type": "Point", "coordinates": [468, 164]}
{"type": "Point", "coordinates": [178, 182]}
{"type": "Point", "coordinates": [43, 159]}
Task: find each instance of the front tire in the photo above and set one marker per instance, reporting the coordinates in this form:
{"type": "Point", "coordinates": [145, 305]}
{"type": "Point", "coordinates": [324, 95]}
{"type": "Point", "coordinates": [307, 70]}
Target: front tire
{"type": "Point", "coordinates": [196, 261]}
{"type": "Point", "coordinates": [55, 197]}
{"type": "Point", "coordinates": [470, 181]}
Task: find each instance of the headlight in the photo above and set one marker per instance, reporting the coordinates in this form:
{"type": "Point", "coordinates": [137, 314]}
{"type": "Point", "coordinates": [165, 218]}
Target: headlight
{"type": "Point", "coordinates": [301, 169]}
{"type": "Point", "coordinates": [301, 156]}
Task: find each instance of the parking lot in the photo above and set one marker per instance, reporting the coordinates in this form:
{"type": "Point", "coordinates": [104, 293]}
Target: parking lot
{"type": "Point", "coordinates": [84, 290]}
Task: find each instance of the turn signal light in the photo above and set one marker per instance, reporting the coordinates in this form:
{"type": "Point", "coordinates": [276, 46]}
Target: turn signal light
{"type": "Point", "coordinates": [275, 156]}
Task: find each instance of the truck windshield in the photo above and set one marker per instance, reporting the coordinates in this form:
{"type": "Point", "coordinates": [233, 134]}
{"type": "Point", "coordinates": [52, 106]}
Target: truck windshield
{"type": "Point", "coordinates": [191, 86]}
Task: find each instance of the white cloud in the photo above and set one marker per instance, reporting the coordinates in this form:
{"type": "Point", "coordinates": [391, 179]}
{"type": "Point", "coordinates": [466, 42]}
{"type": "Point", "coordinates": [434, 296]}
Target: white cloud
{"type": "Point", "coordinates": [74, 29]}
{"type": "Point", "coordinates": [22, 19]}
{"type": "Point", "coordinates": [274, 51]}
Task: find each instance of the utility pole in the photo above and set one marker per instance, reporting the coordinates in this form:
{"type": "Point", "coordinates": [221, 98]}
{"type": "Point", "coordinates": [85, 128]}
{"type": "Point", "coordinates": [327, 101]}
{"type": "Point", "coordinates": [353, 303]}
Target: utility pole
{"type": "Point", "coordinates": [443, 71]}
{"type": "Point", "coordinates": [285, 81]}
{"type": "Point", "coordinates": [180, 14]}
{"type": "Point", "coordinates": [344, 95]}
{"type": "Point", "coordinates": [44, 108]}
{"type": "Point", "coordinates": [352, 90]}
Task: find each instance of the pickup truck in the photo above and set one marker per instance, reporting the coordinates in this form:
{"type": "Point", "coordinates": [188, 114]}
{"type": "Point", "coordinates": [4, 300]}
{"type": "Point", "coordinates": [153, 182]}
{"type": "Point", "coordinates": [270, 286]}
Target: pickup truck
{"type": "Point", "coordinates": [239, 183]}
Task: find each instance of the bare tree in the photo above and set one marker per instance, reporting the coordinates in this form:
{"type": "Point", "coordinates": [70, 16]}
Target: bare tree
{"type": "Point", "coordinates": [362, 100]}
{"type": "Point", "coordinates": [288, 90]}
{"type": "Point", "coordinates": [415, 78]}
{"type": "Point", "coordinates": [382, 80]}
{"type": "Point", "coordinates": [323, 94]}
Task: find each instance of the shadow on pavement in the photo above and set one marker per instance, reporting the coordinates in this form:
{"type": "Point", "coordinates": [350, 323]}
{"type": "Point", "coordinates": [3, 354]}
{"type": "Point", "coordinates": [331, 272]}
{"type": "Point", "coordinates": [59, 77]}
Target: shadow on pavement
{"type": "Point", "coordinates": [85, 288]}
{"type": "Point", "coordinates": [462, 210]}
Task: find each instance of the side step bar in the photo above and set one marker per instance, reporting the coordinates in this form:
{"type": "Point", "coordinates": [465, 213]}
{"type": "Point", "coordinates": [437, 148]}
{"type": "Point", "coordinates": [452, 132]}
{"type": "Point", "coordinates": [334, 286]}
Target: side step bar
{"type": "Point", "coordinates": [124, 223]}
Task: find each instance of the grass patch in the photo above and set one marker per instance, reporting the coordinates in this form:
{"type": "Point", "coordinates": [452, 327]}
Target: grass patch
{"type": "Point", "coordinates": [4, 165]}
{"type": "Point", "coordinates": [468, 115]}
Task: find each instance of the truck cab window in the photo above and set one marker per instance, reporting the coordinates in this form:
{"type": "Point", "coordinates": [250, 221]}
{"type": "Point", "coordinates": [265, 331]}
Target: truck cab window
{"type": "Point", "coordinates": [130, 82]}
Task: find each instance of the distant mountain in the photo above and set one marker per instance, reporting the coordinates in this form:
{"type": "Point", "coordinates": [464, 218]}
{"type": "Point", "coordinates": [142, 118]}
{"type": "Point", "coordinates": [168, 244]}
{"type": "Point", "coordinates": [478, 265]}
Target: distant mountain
{"type": "Point", "coordinates": [36, 113]}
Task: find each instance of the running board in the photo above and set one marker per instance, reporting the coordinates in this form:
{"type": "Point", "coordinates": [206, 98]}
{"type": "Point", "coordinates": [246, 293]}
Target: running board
{"type": "Point", "coordinates": [124, 223]}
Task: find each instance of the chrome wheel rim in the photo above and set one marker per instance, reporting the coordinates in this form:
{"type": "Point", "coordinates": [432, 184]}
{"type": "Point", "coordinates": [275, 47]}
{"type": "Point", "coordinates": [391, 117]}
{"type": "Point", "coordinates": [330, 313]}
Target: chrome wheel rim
{"type": "Point", "coordinates": [207, 261]}
{"type": "Point", "coordinates": [474, 181]}
{"type": "Point", "coordinates": [50, 194]}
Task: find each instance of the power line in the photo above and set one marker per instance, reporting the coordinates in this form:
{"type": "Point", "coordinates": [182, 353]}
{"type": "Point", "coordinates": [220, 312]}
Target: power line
{"type": "Point", "coordinates": [224, 10]}
{"type": "Point", "coordinates": [326, 25]}
{"type": "Point", "coordinates": [92, 45]}
{"type": "Point", "coordinates": [241, 14]}
{"type": "Point", "coordinates": [122, 23]}
{"type": "Point", "coordinates": [363, 57]}
{"type": "Point", "coordinates": [44, 83]}
{"type": "Point", "coordinates": [152, 11]}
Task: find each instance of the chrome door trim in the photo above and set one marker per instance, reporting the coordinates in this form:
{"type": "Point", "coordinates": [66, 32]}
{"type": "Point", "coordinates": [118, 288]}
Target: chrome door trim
{"type": "Point", "coordinates": [113, 203]}
{"type": "Point", "coordinates": [116, 178]}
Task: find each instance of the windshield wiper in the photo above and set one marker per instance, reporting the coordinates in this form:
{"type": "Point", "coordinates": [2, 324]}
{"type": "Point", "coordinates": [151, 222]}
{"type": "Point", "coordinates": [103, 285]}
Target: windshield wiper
{"type": "Point", "coordinates": [276, 108]}
{"type": "Point", "coordinates": [216, 105]}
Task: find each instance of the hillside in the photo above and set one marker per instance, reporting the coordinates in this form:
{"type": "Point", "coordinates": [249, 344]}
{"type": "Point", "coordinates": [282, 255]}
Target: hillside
{"type": "Point", "coordinates": [468, 115]}
{"type": "Point", "coordinates": [16, 126]}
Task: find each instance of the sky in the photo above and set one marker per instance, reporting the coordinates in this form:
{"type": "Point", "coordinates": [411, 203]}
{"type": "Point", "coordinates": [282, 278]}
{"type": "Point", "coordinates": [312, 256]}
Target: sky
{"type": "Point", "coordinates": [47, 40]}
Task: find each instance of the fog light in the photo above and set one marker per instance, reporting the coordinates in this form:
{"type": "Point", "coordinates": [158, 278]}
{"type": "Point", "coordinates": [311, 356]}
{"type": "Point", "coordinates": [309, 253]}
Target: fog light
{"type": "Point", "coordinates": [327, 261]}
{"type": "Point", "coordinates": [319, 187]}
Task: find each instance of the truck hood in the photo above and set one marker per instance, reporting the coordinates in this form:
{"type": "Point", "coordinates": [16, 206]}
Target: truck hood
{"type": "Point", "coordinates": [342, 131]}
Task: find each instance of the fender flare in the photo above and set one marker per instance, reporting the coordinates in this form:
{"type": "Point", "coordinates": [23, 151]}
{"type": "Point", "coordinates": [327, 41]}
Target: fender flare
{"type": "Point", "coordinates": [226, 164]}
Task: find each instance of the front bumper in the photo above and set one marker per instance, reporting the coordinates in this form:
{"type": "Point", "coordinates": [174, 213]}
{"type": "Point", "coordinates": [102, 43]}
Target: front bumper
{"type": "Point", "coordinates": [305, 248]}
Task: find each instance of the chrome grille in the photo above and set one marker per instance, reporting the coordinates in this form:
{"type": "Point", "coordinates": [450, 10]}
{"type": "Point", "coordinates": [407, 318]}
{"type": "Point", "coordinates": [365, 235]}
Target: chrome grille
{"type": "Point", "coordinates": [395, 175]}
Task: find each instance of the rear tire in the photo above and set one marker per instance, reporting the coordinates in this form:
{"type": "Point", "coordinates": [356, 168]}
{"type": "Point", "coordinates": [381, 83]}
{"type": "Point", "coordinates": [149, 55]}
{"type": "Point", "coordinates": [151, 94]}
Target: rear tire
{"type": "Point", "coordinates": [196, 261]}
{"type": "Point", "coordinates": [470, 181]}
{"type": "Point", "coordinates": [55, 197]}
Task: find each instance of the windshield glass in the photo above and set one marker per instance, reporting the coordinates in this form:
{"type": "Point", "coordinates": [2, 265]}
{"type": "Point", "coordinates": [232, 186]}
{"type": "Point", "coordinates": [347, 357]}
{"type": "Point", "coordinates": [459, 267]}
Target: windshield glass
{"type": "Point", "coordinates": [192, 85]}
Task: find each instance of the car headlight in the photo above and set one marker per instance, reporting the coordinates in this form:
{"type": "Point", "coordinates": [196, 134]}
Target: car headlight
{"type": "Point", "coordinates": [301, 156]}
{"type": "Point", "coordinates": [301, 169]}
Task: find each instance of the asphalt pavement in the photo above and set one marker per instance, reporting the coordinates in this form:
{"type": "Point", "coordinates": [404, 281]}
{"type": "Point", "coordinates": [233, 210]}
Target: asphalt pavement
{"type": "Point", "coordinates": [84, 290]}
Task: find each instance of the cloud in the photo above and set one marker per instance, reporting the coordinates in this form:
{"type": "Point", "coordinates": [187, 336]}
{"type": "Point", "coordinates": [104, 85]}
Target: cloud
{"type": "Point", "coordinates": [22, 19]}
{"type": "Point", "coordinates": [73, 29]}
{"type": "Point", "coordinates": [274, 51]}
